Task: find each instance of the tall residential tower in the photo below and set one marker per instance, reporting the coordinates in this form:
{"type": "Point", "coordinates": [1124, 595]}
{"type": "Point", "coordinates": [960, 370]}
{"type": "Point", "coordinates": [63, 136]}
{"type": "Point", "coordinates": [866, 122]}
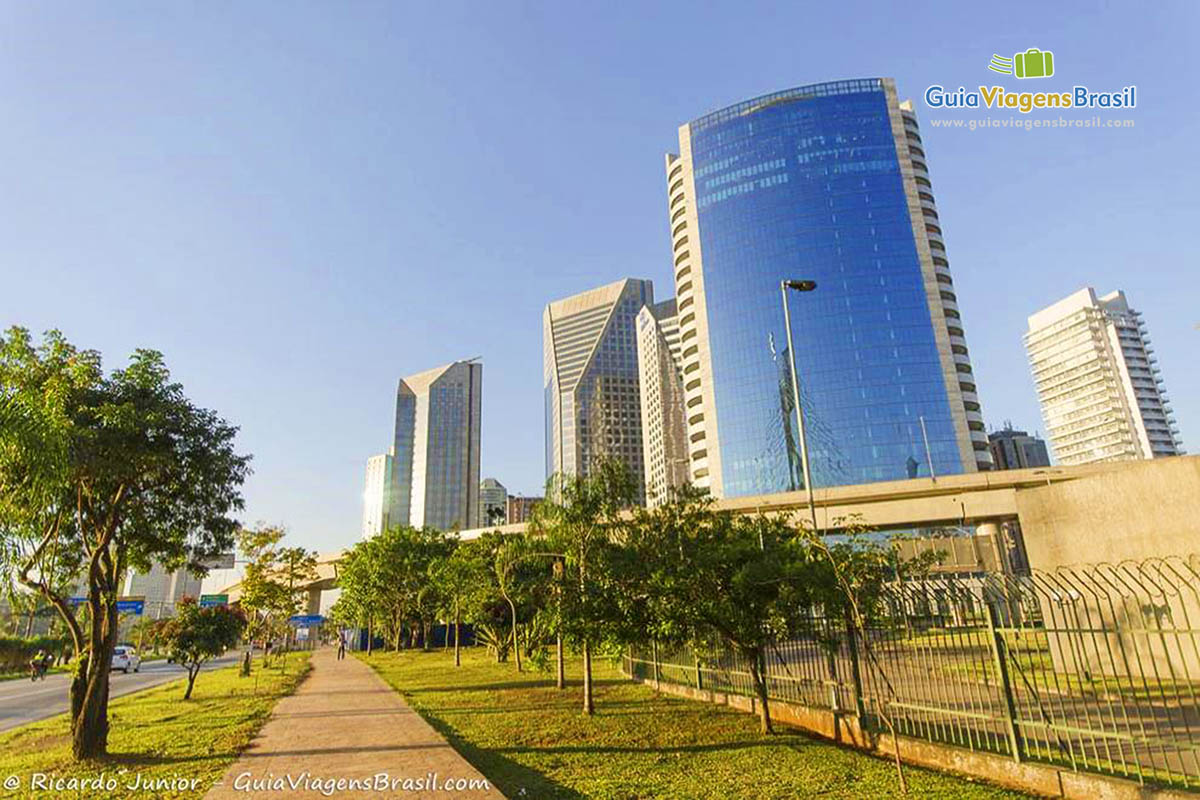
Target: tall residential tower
{"type": "Point", "coordinates": [378, 495]}
{"type": "Point", "coordinates": [593, 409]}
{"type": "Point", "coordinates": [436, 448]}
{"type": "Point", "coordinates": [830, 183]}
{"type": "Point", "coordinates": [1098, 381]}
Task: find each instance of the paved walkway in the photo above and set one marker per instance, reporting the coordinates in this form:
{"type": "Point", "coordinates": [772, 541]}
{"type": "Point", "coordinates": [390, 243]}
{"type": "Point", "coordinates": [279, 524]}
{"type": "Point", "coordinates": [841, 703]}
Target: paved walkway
{"type": "Point", "coordinates": [345, 723]}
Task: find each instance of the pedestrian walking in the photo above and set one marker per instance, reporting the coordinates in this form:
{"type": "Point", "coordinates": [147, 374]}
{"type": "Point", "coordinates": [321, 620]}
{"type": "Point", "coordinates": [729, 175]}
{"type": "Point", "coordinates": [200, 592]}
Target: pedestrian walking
{"type": "Point", "coordinates": [341, 645]}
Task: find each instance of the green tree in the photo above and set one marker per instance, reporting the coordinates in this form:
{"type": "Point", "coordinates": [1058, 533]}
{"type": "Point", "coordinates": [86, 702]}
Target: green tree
{"type": "Point", "coordinates": [579, 524]}
{"type": "Point", "coordinates": [273, 584]}
{"type": "Point", "coordinates": [705, 577]}
{"type": "Point", "coordinates": [121, 469]}
{"type": "Point", "coordinates": [460, 576]}
{"type": "Point", "coordinates": [387, 579]}
{"type": "Point", "coordinates": [195, 635]}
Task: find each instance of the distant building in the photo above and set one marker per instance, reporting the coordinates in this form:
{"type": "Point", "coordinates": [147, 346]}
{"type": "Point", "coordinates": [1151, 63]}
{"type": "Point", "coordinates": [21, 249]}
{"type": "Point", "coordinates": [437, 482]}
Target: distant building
{"type": "Point", "coordinates": [1013, 449]}
{"type": "Point", "coordinates": [520, 508]}
{"type": "Point", "coordinates": [660, 374]}
{"type": "Point", "coordinates": [436, 448]}
{"type": "Point", "coordinates": [1098, 381]}
{"type": "Point", "coordinates": [593, 409]}
{"type": "Point", "coordinates": [493, 500]}
{"type": "Point", "coordinates": [162, 589]}
{"type": "Point", "coordinates": [378, 494]}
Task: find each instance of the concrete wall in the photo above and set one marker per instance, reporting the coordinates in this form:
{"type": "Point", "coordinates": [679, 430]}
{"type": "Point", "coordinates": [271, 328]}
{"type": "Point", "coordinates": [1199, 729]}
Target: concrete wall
{"type": "Point", "coordinates": [1140, 527]}
{"type": "Point", "coordinates": [1147, 508]}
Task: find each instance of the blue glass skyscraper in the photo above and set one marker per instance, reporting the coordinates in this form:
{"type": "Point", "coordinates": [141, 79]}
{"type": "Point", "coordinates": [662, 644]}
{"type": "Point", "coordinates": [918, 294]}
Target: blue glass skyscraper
{"type": "Point", "coordinates": [827, 182]}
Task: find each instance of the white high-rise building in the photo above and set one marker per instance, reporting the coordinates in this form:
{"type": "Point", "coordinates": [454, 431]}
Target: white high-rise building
{"type": "Point", "coordinates": [377, 495]}
{"type": "Point", "coordinates": [161, 589]}
{"type": "Point", "coordinates": [593, 409]}
{"type": "Point", "coordinates": [660, 371]}
{"type": "Point", "coordinates": [436, 448]}
{"type": "Point", "coordinates": [1098, 381]}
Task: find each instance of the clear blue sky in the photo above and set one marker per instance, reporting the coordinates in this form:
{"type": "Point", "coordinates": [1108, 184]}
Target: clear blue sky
{"type": "Point", "coordinates": [300, 202]}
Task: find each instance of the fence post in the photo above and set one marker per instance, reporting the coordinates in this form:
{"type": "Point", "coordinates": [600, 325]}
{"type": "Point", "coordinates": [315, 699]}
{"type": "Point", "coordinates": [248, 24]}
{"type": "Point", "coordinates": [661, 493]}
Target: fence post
{"type": "Point", "coordinates": [1000, 658]}
{"type": "Point", "coordinates": [654, 650]}
{"type": "Point", "coordinates": [699, 675]}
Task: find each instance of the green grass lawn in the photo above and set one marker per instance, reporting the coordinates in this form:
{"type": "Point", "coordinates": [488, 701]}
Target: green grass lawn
{"type": "Point", "coordinates": [531, 740]}
{"type": "Point", "coordinates": [157, 735]}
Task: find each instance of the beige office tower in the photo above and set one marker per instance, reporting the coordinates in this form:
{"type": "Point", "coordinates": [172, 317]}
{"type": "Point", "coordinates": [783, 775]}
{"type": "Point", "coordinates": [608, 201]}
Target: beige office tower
{"type": "Point", "coordinates": [436, 448]}
{"type": "Point", "coordinates": [1098, 382]}
{"type": "Point", "coordinates": [593, 410]}
{"type": "Point", "coordinates": [377, 495]}
{"type": "Point", "coordinates": [660, 372]}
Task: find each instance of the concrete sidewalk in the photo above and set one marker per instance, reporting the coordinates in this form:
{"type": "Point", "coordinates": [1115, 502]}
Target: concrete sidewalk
{"type": "Point", "coordinates": [345, 724]}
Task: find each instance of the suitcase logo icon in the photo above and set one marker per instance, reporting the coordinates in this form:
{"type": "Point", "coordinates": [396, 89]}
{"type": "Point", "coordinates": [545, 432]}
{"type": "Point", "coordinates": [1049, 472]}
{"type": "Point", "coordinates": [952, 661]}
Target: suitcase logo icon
{"type": "Point", "coordinates": [1033, 63]}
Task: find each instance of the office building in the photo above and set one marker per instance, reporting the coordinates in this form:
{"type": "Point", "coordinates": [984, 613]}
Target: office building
{"type": "Point", "coordinates": [1013, 449]}
{"type": "Point", "coordinates": [591, 378]}
{"type": "Point", "coordinates": [161, 588]}
{"type": "Point", "coordinates": [493, 500]}
{"type": "Point", "coordinates": [1098, 381]}
{"type": "Point", "coordinates": [378, 494]}
{"type": "Point", "coordinates": [436, 448]}
{"type": "Point", "coordinates": [828, 183]}
{"type": "Point", "coordinates": [520, 508]}
{"type": "Point", "coordinates": [660, 374]}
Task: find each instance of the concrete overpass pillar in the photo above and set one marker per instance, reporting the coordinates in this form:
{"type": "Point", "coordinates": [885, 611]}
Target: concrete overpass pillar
{"type": "Point", "coordinates": [314, 602]}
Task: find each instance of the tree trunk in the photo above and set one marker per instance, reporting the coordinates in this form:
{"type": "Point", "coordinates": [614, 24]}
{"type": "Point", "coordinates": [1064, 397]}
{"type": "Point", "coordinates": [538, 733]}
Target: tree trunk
{"type": "Point", "coordinates": [560, 680]}
{"type": "Point", "coordinates": [755, 657]}
{"type": "Point", "coordinates": [457, 640]}
{"type": "Point", "coordinates": [193, 671]}
{"type": "Point", "coordinates": [370, 637]}
{"type": "Point", "coordinates": [589, 704]}
{"type": "Point", "coordinates": [425, 630]}
{"type": "Point", "coordinates": [89, 690]}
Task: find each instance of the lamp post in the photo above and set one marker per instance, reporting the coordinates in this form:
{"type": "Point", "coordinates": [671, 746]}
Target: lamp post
{"type": "Point", "coordinates": [799, 286]}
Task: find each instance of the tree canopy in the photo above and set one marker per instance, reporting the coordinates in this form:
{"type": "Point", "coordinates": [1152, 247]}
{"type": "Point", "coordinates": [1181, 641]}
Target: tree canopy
{"type": "Point", "coordinates": [120, 469]}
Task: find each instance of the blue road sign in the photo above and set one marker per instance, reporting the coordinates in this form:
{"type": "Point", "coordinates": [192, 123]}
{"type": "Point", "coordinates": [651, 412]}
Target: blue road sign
{"type": "Point", "coordinates": [131, 606]}
{"type": "Point", "coordinates": [76, 601]}
{"type": "Point", "coordinates": [304, 620]}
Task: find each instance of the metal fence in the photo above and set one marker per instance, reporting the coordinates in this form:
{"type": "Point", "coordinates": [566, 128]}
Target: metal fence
{"type": "Point", "coordinates": [1096, 668]}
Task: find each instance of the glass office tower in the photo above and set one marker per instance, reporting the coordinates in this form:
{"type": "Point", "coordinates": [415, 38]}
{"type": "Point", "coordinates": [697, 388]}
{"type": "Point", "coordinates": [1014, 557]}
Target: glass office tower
{"type": "Point", "coordinates": [593, 407]}
{"type": "Point", "coordinates": [829, 183]}
{"type": "Point", "coordinates": [435, 451]}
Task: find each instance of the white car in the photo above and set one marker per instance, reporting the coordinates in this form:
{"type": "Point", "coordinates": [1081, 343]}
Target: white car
{"type": "Point", "coordinates": [126, 658]}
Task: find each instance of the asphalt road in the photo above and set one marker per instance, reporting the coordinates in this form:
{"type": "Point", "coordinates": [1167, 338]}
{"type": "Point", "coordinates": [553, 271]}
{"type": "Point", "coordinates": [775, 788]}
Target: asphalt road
{"type": "Point", "coordinates": [23, 701]}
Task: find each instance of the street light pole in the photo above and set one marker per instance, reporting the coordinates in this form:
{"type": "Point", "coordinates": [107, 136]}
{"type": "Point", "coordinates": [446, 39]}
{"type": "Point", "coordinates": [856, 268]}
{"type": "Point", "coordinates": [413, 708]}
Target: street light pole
{"type": "Point", "coordinates": [800, 286]}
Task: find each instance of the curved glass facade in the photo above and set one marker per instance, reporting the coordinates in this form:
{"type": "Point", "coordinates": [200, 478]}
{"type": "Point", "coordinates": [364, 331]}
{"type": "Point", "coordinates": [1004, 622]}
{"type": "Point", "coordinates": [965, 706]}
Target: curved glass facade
{"type": "Point", "coordinates": [806, 184]}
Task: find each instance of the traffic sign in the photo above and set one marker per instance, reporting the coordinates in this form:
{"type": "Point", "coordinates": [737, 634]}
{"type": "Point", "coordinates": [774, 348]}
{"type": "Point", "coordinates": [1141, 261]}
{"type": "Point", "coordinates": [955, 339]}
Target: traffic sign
{"type": "Point", "coordinates": [304, 620]}
{"type": "Point", "coordinates": [212, 600]}
{"type": "Point", "coordinates": [131, 605]}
